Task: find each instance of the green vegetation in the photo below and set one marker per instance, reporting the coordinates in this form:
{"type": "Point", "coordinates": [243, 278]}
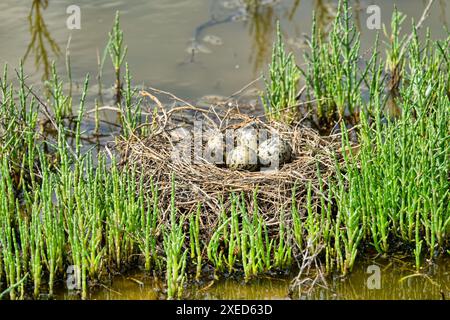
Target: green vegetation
{"type": "Point", "coordinates": [332, 73]}
{"type": "Point", "coordinates": [281, 89]}
{"type": "Point", "coordinates": [399, 185]}
{"type": "Point", "coordinates": [194, 241]}
{"type": "Point", "coordinates": [176, 254]}
{"type": "Point", "coordinates": [243, 239]}
{"type": "Point", "coordinates": [117, 52]}
{"type": "Point", "coordinates": [393, 192]}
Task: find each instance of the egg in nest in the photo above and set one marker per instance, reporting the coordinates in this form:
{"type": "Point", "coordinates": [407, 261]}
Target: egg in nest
{"type": "Point", "coordinates": [274, 152]}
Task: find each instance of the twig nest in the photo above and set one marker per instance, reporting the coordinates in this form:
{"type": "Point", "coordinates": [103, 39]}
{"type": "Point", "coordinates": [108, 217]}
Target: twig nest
{"type": "Point", "coordinates": [242, 158]}
{"type": "Point", "coordinates": [274, 152]}
{"type": "Point", "coordinates": [180, 134]}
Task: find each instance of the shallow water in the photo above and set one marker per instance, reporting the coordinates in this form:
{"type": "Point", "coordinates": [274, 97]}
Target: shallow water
{"type": "Point", "coordinates": [172, 47]}
{"type": "Point", "coordinates": [397, 280]}
{"type": "Point", "coordinates": [159, 35]}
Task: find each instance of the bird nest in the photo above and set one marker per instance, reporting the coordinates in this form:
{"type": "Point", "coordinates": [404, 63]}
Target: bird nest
{"type": "Point", "coordinates": [156, 157]}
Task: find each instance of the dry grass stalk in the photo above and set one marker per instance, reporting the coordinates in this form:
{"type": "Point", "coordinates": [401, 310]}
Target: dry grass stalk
{"type": "Point", "coordinates": [211, 185]}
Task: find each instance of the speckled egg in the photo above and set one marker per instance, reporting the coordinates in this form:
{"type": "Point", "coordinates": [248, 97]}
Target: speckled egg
{"type": "Point", "coordinates": [215, 149]}
{"type": "Point", "coordinates": [242, 158]}
{"type": "Point", "coordinates": [274, 152]}
{"type": "Point", "coordinates": [248, 136]}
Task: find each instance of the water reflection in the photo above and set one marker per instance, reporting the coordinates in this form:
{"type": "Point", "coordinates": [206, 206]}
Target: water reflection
{"type": "Point", "coordinates": [259, 18]}
{"type": "Point", "coordinates": [260, 22]}
{"type": "Point", "coordinates": [325, 11]}
{"type": "Point", "coordinates": [261, 26]}
{"type": "Point", "coordinates": [398, 280]}
{"type": "Point", "coordinates": [294, 9]}
{"type": "Point", "coordinates": [442, 11]}
{"type": "Point", "coordinates": [157, 33]}
{"type": "Point", "coordinates": [41, 40]}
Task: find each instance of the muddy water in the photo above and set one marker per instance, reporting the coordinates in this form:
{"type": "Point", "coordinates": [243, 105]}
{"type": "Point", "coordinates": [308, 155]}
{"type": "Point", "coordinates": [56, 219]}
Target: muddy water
{"type": "Point", "coordinates": [398, 280]}
{"type": "Point", "coordinates": [196, 48]}
{"type": "Point", "coordinates": [227, 54]}
{"type": "Point", "coordinates": [380, 280]}
{"type": "Point", "coordinates": [139, 287]}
